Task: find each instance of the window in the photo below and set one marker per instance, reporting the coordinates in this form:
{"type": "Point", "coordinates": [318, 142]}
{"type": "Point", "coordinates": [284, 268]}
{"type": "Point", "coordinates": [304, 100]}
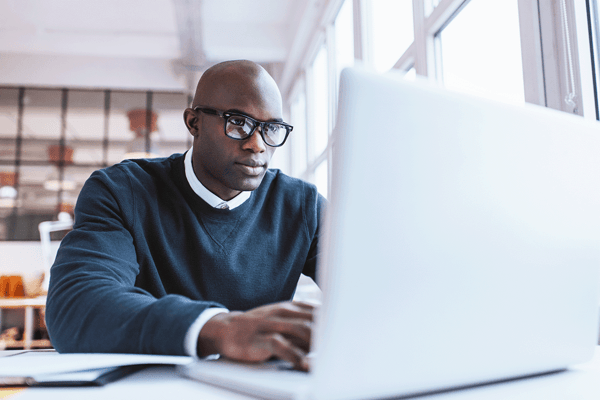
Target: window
{"type": "Point", "coordinates": [320, 103]}
{"type": "Point", "coordinates": [481, 50]}
{"type": "Point", "coordinates": [297, 139]}
{"type": "Point", "coordinates": [344, 34]}
{"type": "Point", "coordinates": [511, 50]}
{"type": "Point", "coordinates": [391, 31]}
{"type": "Point", "coordinates": [321, 178]}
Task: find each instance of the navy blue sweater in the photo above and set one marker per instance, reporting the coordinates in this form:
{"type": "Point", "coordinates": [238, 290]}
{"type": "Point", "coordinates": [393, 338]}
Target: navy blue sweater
{"type": "Point", "coordinates": [147, 256]}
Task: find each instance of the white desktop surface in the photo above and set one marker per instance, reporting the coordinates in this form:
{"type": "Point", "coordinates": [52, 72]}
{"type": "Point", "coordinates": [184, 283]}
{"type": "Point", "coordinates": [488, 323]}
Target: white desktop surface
{"type": "Point", "coordinates": [580, 382]}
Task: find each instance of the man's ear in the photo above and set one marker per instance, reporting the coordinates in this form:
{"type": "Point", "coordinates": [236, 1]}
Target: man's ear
{"type": "Point", "coordinates": [191, 121]}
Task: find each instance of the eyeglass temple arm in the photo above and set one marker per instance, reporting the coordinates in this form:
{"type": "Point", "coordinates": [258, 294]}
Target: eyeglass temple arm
{"type": "Point", "coordinates": [208, 111]}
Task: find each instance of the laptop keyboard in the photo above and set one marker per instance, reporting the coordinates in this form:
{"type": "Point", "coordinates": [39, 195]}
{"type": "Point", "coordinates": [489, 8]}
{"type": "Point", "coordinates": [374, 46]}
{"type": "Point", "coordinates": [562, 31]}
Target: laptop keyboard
{"type": "Point", "coordinates": [273, 379]}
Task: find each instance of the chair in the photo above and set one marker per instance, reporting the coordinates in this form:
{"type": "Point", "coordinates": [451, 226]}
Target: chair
{"type": "Point", "coordinates": [65, 222]}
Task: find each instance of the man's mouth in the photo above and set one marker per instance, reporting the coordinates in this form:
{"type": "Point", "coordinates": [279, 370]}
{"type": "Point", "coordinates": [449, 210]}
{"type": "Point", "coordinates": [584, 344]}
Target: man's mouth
{"type": "Point", "coordinates": [252, 168]}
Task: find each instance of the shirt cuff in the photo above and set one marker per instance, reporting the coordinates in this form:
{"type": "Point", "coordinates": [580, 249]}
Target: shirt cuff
{"type": "Point", "coordinates": [190, 343]}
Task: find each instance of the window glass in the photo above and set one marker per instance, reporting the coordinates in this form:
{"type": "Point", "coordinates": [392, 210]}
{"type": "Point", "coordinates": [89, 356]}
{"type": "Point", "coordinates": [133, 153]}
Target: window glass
{"type": "Point", "coordinates": [344, 38]}
{"type": "Point", "coordinates": [430, 5]}
{"type": "Point", "coordinates": [321, 178]}
{"type": "Point", "coordinates": [297, 138]}
{"type": "Point", "coordinates": [320, 103]}
{"type": "Point", "coordinates": [481, 50]}
{"type": "Point", "coordinates": [391, 31]}
{"type": "Point", "coordinates": [344, 44]}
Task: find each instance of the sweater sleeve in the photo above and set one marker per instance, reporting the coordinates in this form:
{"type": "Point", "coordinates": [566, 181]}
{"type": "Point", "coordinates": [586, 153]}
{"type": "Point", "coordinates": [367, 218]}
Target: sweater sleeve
{"type": "Point", "coordinates": [93, 305]}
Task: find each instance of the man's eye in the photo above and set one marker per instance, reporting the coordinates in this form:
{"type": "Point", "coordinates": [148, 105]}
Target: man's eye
{"type": "Point", "coordinates": [239, 121]}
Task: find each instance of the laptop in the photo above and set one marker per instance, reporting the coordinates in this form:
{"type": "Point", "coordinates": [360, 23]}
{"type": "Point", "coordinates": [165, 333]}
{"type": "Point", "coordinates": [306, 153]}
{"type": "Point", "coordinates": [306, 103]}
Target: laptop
{"type": "Point", "coordinates": [462, 247]}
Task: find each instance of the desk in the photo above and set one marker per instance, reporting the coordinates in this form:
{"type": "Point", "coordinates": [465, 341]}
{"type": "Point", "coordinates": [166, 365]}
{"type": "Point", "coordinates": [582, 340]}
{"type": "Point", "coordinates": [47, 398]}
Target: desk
{"type": "Point", "coordinates": [581, 382]}
{"type": "Point", "coordinates": [28, 304]}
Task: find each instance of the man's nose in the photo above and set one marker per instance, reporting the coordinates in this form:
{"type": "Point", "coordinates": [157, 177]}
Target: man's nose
{"type": "Point", "coordinates": [255, 143]}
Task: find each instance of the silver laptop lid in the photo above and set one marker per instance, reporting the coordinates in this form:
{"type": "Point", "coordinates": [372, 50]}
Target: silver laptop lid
{"type": "Point", "coordinates": [463, 241]}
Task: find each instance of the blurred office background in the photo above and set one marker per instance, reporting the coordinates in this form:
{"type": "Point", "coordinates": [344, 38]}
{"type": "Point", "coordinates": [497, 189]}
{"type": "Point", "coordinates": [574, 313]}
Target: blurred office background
{"type": "Point", "coordinates": [85, 84]}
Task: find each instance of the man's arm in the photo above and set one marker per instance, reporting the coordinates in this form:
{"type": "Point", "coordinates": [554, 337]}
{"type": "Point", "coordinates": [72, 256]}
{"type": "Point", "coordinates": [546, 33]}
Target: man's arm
{"type": "Point", "coordinates": [93, 305]}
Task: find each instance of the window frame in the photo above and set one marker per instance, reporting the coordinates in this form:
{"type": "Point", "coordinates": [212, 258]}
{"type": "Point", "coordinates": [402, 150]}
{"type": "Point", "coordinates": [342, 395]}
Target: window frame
{"type": "Point", "coordinates": [546, 48]}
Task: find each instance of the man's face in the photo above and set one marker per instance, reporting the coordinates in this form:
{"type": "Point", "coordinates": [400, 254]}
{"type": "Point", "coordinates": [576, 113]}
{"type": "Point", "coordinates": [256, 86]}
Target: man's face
{"type": "Point", "coordinates": [227, 166]}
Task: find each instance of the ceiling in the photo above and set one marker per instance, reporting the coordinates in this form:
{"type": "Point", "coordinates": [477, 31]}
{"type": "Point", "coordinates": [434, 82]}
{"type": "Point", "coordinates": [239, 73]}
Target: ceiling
{"type": "Point", "coordinates": [151, 28]}
{"type": "Point", "coordinates": [190, 34]}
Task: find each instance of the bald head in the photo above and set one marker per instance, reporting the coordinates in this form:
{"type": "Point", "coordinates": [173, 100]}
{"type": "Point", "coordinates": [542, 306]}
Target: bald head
{"type": "Point", "coordinates": [223, 164]}
{"type": "Point", "coordinates": [245, 80]}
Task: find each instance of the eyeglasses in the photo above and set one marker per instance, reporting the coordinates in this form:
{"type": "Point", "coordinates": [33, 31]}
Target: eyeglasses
{"type": "Point", "coordinates": [241, 127]}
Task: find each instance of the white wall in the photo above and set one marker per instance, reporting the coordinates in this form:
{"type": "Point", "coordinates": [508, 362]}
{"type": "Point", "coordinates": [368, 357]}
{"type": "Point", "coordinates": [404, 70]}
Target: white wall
{"type": "Point", "coordinates": [91, 72]}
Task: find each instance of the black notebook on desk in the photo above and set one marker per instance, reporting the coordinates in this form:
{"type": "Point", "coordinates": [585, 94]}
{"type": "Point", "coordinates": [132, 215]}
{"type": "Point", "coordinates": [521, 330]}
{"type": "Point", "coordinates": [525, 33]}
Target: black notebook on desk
{"type": "Point", "coordinates": [49, 368]}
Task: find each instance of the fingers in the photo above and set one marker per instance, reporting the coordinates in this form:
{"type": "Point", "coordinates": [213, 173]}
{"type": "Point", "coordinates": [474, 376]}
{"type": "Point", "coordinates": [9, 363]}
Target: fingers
{"type": "Point", "coordinates": [301, 344]}
{"type": "Point", "coordinates": [293, 320]}
{"type": "Point", "coordinates": [299, 329]}
{"type": "Point", "coordinates": [304, 305]}
{"type": "Point", "coordinates": [297, 310]}
{"type": "Point", "coordinates": [283, 349]}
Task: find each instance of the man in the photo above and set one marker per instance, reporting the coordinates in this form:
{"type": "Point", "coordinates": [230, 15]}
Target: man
{"type": "Point", "coordinates": [194, 254]}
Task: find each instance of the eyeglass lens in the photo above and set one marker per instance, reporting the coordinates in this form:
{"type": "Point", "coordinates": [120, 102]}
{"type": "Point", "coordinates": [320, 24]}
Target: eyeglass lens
{"type": "Point", "coordinates": [239, 127]}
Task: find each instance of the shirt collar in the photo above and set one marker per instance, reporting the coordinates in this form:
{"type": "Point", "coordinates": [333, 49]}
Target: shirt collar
{"type": "Point", "coordinates": [212, 199]}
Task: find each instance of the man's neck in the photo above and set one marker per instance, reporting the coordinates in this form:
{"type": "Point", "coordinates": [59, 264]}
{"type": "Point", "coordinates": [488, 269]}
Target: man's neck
{"type": "Point", "coordinates": [233, 199]}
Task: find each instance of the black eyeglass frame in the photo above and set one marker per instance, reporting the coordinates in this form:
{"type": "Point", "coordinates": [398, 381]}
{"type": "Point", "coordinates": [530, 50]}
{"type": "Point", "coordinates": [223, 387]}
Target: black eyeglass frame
{"type": "Point", "coordinates": [226, 114]}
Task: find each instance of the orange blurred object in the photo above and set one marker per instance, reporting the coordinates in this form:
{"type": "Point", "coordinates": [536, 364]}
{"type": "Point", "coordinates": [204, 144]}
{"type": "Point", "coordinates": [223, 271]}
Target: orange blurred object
{"type": "Point", "coordinates": [138, 121]}
{"type": "Point", "coordinates": [66, 207]}
{"type": "Point", "coordinates": [9, 392]}
{"type": "Point", "coordinates": [54, 154]}
{"type": "Point", "coordinates": [8, 178]}
{"type": "Point", "coordinates": [11, 286]}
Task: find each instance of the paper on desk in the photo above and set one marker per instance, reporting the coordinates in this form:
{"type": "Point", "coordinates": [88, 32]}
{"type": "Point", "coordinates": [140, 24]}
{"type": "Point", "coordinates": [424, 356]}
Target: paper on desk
{"type": "Point", "coordinates": [38, 363]}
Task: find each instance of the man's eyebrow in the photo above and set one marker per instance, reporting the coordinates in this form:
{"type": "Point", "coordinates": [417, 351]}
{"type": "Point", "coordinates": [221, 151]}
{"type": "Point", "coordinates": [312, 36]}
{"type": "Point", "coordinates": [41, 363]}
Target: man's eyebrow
{"type": "Point", "coordinates": [236, 111]}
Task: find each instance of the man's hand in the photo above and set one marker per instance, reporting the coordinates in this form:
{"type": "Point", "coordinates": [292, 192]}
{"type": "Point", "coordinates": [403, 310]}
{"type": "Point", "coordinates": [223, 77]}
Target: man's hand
{"type": "Point", "coordinates": [282, 330]}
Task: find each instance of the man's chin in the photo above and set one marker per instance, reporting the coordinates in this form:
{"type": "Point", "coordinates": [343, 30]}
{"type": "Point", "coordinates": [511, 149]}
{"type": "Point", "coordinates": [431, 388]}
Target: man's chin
{"type": "Point", "coordinates": [249, 184]}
